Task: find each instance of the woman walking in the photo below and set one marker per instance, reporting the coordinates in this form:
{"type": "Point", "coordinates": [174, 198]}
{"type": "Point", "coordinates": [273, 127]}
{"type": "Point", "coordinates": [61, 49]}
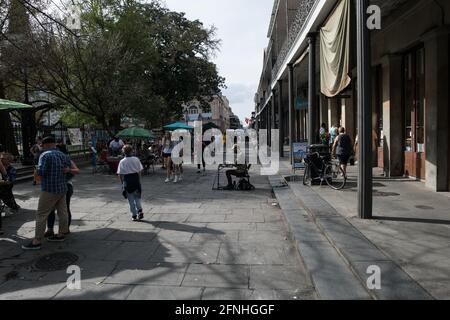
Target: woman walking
{"type": "Point", "coordinates": [130, 172]}
{"type": "Point", "coordinates": [168, 146]}
{"type": "Point", "coordinates": [69, 176]}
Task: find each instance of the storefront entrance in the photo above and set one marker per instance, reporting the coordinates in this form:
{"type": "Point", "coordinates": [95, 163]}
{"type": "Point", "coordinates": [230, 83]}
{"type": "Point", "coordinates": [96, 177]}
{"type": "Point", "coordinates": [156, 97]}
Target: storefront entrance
{"type": "Point", "coordinates": [414, 113]}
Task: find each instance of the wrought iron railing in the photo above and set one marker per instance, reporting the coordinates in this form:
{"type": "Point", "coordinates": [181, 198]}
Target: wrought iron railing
{"type": "Point", "coordinates": [297, 26]}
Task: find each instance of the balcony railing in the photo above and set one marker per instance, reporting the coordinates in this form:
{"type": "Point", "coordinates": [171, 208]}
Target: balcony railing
{"type": "Point", "coordinates": [297, 26]}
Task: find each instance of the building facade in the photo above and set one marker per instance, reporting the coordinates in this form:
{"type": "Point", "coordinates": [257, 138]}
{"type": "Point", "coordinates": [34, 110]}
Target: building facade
{"type": "Point", "coordinates": [219, 112]}
{"type": "Point", "coordinates": [305, 83]}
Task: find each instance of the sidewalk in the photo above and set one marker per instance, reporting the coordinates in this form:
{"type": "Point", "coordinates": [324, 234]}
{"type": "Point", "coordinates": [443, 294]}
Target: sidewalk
{"type": "Point", "coordinates": [409, 238]}
{"type": "Point", "coordinates": [195, 243]}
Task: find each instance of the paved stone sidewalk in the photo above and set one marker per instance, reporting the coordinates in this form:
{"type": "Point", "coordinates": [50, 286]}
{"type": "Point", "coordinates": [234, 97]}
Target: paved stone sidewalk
{"type": "Point", "coordinates": [409, 237]}
{"type": "Point", "coordinates": [195, 243]}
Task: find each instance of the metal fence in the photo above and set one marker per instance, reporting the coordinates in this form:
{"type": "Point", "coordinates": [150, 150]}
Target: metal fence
{"type": "Point", "coordinates": [62, 135]}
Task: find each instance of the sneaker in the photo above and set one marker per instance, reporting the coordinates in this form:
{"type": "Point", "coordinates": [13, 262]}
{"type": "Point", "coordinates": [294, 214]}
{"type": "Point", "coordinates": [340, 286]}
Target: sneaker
{"type": "Point", "coordinates": [134, 219]}
{"type": "Point", "coordinates": [229, 187]}
{"type": "Point", "coordinates": [30, 246]}
{"type": "Point", "coordinates": [49, 234]}
{"type": "Point", "coordinates": [141, 216]}
{"type": "Point", "coordinates": [199, 172]}
{"type": "Point", "coordinates": [56, 238]}
{"type": "Point", "coordinates": [167, 180]}
{"type": "Point", "coordinates": [180, 179]}
{"type": "Point", "coordinates": [175, 180]}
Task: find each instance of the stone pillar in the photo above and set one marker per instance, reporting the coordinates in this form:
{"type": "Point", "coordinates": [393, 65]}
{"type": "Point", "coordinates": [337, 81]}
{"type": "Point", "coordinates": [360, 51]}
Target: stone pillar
{"type": "Point", "coordinates": [280, 115]}
{"type": "Point", "coordinates": [291, 109]}
{"type": "Point", "coordinates": [324, 110]}
{"type": "Point", "coordinates": [437, 109]}
{"type": "Point", "coordinates": [348, 117]}
{"type": "Point", "coordinates": [312, 98]}
{"type": "Point", "coordinates": [333, 112]}
{"type": "Point", "coordinates": [392, 116]}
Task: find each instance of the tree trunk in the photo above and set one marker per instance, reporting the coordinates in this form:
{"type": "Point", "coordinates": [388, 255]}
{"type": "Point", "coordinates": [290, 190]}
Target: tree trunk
{"type": "Point", "coordinates": [6, 129]}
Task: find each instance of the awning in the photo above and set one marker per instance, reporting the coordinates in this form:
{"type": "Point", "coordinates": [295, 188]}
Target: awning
{"type": "Point", "coordinates": [335, 51]}
{"type": "Point", "coordinates": [12, 105]}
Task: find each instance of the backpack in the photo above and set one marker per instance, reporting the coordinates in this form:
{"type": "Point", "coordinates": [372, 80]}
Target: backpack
{"type": "Point", "coordinates": [245, 185]}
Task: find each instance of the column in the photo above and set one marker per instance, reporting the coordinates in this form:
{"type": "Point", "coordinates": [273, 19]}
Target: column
{"type": "Point", "coordinates": [392, 116]}
{"type": "Point", "coordinates": [437, 109]}
{"type": "Point", "coordinates": [312, 101]}
{"type": "Point", "coordinates": [291, 109]}
{"type": "Point", "coordinates": [348, 117]}
{"type": "Point", "coordinates": [272, 115]}
{"type": "Point", "coordinates": [280, 116]}
{"type": "Point", "coordinates": [333, 113]}
{"type": "Point", "coordinates": [324, 110]}
{"type": "Point", "coordinates": [365, 185]}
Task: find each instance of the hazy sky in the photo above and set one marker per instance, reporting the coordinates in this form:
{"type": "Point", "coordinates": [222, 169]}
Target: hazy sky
{"type": "Point", "coordinates": [242, 26]}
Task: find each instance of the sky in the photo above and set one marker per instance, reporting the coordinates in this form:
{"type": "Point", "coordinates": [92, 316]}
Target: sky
{"type": "Point", "coordinates": [242, 28]}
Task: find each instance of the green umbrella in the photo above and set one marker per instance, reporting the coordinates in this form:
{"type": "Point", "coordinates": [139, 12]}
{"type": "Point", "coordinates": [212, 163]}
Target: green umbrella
{"type": "Point", "coordinates": [178, 125]}
{"type": "Point", "coordinates": [12, 105]}
{"type": "Point", "coordinates": [136, 132]}
{"type": "Point", "coordinates": [210, 125]}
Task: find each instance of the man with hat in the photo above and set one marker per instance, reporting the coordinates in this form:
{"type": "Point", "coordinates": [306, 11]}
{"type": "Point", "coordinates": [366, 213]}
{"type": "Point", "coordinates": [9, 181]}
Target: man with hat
{"type": "Point", "coordinates": [53, 166]}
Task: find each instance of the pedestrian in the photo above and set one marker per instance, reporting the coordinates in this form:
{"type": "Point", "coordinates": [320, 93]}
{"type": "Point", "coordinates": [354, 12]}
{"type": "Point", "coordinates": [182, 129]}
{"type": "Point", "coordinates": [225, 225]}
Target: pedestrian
{"type": "Point", "coordinates": [93, 154]}
{"type": "Point", "coordinates": [116, 146]}
{"type": "Point", "coordinates": [334, 132]}
{"type": "Point", "coordinates": [36, 151]}
{"type": "Point", "coordinates": [168, 146]}
{"type": "Point", "coordinates": [343, 149]}
{"type": "Point", "coordinates": [53, 167]}
{"type": "Point", "coordinates": [130, 172]}
{"type": "Point", "coordinates": [324, 136]}
{"type": "Point", "coordinates": [204, 145]}
{"type": "Point", "coordinates": [7, 183]}
{"type": "Point", "coordinates": [69, 177]}
{"type": "Point", "coordinates": [178, 168]}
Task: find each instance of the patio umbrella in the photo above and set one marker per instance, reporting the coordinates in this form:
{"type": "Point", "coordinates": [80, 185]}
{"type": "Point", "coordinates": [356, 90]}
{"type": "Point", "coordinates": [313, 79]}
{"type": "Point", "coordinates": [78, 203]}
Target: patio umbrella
{"type": "Point", "coordinates": [210, 125]}
{"type": "Point", "coordinates": [136, 132]}
{"type": "Point", "coordinates": [178, 125]}
{"type": "Point", "coordinates": [12, 105]}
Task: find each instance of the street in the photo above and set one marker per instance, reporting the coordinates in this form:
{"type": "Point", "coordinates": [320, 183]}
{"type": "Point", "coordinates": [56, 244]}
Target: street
{"type": "Point", "coordinates": [194, 243]}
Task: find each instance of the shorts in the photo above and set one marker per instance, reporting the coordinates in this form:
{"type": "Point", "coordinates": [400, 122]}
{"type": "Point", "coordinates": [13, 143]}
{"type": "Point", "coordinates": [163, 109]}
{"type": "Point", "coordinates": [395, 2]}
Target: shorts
{"type": "Point", "coordinates": [167, 155]}
{"type": "Point", "coordinates": [343, 159]}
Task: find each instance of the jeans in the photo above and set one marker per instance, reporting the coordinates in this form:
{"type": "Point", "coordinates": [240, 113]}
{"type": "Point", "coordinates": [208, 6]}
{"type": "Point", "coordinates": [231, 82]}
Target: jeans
{"type": "Point", "coordinates": [134, 199]}
{"type": "Point", "coordinates": [52, 216]}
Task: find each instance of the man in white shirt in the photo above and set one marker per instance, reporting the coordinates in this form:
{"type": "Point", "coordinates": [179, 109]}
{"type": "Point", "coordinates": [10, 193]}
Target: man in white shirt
{"type": "Point", "coordinates": [129, 171]}
{"type": "Point", "coordinates": [115, 146]}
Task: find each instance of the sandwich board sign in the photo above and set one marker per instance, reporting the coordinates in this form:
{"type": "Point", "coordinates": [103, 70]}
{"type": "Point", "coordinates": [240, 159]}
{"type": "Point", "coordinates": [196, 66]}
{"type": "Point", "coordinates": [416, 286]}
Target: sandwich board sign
{"type": "Point", "coordinates": [300, 150]}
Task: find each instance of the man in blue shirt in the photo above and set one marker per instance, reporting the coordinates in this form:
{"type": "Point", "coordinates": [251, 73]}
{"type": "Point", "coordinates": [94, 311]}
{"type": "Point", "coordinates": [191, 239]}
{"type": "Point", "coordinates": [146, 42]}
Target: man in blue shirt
{"type": "Point", "coordinates": [53, 166]}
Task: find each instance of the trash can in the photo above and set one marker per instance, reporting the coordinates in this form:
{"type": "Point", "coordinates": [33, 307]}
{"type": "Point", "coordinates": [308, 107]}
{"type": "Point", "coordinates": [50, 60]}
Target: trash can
{"type": "Point", "coordinates": [324, 153]}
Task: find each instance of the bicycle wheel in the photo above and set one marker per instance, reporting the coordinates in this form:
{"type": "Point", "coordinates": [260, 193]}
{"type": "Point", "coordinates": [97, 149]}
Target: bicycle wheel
{"type": "Point", "coordinates": [334, 176]}
{"type": "Point", "coordinates": [306, 176]}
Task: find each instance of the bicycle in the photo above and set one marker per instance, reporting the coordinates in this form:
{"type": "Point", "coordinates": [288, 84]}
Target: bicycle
{"type": "Point", "coordinates": [326, 170]}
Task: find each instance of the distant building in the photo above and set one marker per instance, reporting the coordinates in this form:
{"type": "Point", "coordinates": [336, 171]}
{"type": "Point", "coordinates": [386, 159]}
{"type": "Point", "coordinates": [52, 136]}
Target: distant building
{"type": "Point", "coordinates": [220, 112]}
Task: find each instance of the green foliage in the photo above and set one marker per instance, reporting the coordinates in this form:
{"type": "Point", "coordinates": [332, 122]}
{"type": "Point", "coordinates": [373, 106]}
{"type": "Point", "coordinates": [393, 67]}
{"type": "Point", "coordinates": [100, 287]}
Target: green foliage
{"type": "Point", "coordinates": [138, 60]}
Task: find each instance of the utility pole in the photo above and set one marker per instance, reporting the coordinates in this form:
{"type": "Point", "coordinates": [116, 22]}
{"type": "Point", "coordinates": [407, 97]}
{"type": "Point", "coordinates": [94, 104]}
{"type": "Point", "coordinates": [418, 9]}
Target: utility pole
{"type": "Point", "coordinates": [365, 186]}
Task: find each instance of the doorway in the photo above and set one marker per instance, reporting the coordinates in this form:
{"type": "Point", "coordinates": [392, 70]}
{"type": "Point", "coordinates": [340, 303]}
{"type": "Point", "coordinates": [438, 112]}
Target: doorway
{"type": "Point", "coordinates": [414, 113]}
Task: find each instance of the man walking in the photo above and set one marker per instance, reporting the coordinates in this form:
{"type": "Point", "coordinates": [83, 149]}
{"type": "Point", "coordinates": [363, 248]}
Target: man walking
{"type": "Point", "coordinates": [53, 166]}
{"type": "Point", "coordinates": [129, 171]}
